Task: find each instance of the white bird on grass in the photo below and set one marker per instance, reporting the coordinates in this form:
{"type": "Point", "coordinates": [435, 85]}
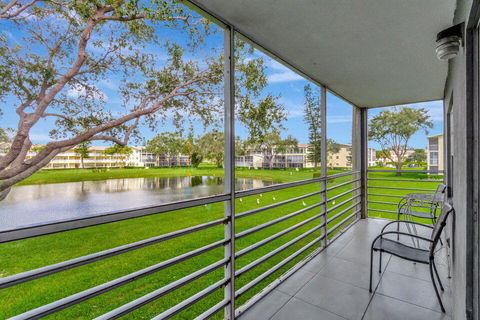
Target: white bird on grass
{"type": "Point", "coordinates": [274, 198]}
{"type": "Point", "coordinates": [258, 201]}
{"type": "Point", "coordinates": [304, 204]}
{"type": "Point", "coordinates": [241, 200]}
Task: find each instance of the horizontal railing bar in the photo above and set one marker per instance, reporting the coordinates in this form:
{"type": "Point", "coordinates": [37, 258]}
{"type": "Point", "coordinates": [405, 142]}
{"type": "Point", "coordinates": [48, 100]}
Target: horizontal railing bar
{"type": "Point", "coordinates": [342, 184]}
{"type": "Point", "coordinates": [270, 254]}
{"type": "Point", "coordinates": [276, 235]}
{"type": "Point", "coordinates": [343, 221]}
{"type": "Point", "coordinates": [105, 287]}
{"type": "Point", "coordinates": [344, 202]}
{"type": "Point", "coordinates": [267, 273]}
{"type": "Point", "coordinates": [383, 202]}
{"type": "Point", "coordinates": [380, 210]}
{"type": "Point", "coordinates": [66, 265]}
{"type": "Point", "coordinates": [280, 186]}
{"type": "Point", "coordinates": [385, 195]}
{"type": "Point", "coordinates": [210, 312]}
{"type": "Point", "coordinates": [339, 214]}
{"type": "Point", "coordinates": [399, 188]}
{"type": "Point", "coordinates": [405, 180]}
{"type": "Point", "coordinates": [167, 314]}
{"type": "Point", "coordinates": [274, 205]}
{"type": "Point", "coordinates": [275, 221]}
{"type": "Point", "coordinates": [342, 174]}
{"type": "Point", "coordinates": [405, 171]}
{"type": "Point", "coordinates": [92, 220]}
{"type": "Point", "coordinates": [137, 303]}
{"type": "Point", "coordinates": [343, 193]}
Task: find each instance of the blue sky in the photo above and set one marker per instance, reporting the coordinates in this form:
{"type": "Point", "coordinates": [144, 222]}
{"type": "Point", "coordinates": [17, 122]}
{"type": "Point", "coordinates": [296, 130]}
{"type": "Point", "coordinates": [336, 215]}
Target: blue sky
{"type": "Point", "coordinates": [283, 82]}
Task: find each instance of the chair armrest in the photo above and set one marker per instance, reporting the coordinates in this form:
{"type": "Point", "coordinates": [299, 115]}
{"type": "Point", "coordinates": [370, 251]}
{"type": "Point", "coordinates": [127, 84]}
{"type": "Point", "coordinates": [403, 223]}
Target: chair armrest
{"type": "Point", "coordinates": [409, 222]}
{"type": "Point", "coordinates": [402, 234]}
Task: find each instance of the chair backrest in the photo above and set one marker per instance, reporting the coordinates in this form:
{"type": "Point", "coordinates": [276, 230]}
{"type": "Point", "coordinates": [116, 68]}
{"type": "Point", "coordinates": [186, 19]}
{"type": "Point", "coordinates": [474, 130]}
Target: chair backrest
{"type": "Point", "coordinates": [441, 188]}
{"type": "Point", "coordinates": [439, 226]}
{"type": "Point", "coordinates": [439, 195]}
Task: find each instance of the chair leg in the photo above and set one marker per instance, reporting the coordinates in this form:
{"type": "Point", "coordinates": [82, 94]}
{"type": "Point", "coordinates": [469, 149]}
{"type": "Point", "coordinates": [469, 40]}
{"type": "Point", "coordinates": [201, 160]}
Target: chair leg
{"type": "Point", "coordinates": [398, 224]}
{"type": "Point", "coordinates": [371, 268]}
{"type": "Point", "coordinates": [435, 287]}
{"type": "Point", "coordinates": [380, 262]}
{"type": "Point", "coordinates": [438, 277]}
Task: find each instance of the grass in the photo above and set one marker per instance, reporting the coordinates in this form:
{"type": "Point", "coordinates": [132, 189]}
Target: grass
{"type": "Point", "coordinates": [32, 253]}
{"type": "Point", "coordinates": [379, 189]}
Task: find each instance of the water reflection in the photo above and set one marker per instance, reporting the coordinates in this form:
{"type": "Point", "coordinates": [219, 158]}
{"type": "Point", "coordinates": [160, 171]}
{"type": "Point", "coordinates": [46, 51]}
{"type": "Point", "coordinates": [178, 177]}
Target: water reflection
{"type": "Point", "coordinates": [34, 204]}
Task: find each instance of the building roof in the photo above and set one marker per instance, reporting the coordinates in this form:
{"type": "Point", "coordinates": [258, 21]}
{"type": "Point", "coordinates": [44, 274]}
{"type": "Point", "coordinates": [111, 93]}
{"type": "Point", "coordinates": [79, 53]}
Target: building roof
{"type": "Point", "coordinates": [435, 135]}
{"type": "Point", "coordinates": [371, 52]}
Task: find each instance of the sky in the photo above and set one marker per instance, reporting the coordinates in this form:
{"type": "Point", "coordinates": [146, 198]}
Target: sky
{"type": "Point", "coordinates": [282, 82]}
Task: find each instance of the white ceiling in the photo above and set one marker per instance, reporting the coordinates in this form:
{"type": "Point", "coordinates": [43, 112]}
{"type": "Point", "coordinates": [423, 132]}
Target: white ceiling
{"type": "Point", "coordinates": [371, 52]}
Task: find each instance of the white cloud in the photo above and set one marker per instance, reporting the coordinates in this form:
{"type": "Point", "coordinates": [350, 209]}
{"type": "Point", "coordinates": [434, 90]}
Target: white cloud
{"type": "Point", "coordinates": [76, 91]}
{"type": "Point", "coordinates": [284, 76]}
{"type": "Point", "coordinates": [434, 108]}
{"type": "Point", "coordinates": [339, 119]}
{"type": "Point", "coordinates": [280, 72]}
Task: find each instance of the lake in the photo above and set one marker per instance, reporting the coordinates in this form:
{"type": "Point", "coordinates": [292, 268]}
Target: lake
{"type": "Point", "coordinates": [33, 204]}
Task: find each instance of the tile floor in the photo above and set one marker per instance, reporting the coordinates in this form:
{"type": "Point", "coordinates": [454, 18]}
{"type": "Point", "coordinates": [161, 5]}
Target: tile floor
{"type": "Point", "coordinates": [334, 285]}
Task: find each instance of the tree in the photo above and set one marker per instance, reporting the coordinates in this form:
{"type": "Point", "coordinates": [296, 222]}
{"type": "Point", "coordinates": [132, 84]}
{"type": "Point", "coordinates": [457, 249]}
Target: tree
{"type": "Point", "coordinates": [272, 144]}
{"type": "Point", "coordinates": [196, 159]}
{"type": "Point", "coordinates": [4, 136]}
{"type": "Point", "coordinates": [211, 147]}
{"type": "Point", "coordinates": [418, 157]}
{"type": "Point", "coordinates": [120, 151]}
{"type": "Point", "coordinates": [392, 129]}
{"type": "Point", "coordinates": [169, 144]}
{"type": "Point", "coordinates": [333, 146]}
{"type": "Point", "coordinates": [79, 44]}
{"type": "Point", "coordinates": [83, 151]}
{"type": "Point", "coordinates": [313, 117]}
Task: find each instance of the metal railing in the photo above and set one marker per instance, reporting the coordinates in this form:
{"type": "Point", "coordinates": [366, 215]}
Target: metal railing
{"type": "Point", "coordinates": [272, 241]}
{"type": "Point", "coordinates": [386, 188]}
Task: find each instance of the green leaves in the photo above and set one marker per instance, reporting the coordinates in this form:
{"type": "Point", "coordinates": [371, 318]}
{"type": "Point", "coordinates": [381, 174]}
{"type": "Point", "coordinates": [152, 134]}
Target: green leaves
{"type": "Point", "coordinates": [403, 123]}
{"type": "Point", "coordinates": [392, 129]}
{"type": "Point", "coordinates": [170, 143]}
{"type": "Point", "coordinates": [211, 146]}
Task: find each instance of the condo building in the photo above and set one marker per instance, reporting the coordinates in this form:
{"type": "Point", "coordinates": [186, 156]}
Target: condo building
{"type": "Point", "coordinates": [435, 153]}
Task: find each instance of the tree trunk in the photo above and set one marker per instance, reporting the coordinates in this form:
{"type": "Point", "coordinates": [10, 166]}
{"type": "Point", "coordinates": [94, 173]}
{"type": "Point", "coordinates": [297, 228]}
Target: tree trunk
{"type": "Point", "coordinates": [82, 165]}
{"type": "Point", "coordinates": [399, 168]}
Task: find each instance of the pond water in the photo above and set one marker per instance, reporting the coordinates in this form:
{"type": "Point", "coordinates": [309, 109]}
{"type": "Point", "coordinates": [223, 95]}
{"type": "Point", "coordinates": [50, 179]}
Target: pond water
{"type": "Point", "coordinates": [33, 204]}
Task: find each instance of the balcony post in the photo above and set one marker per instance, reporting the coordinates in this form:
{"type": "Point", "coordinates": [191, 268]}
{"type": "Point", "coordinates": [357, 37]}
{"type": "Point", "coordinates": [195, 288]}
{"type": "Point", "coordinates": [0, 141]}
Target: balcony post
{"type": "Point", "coordinates": [360, 155]}
{"type": "Point", "coordinates": [229, 171]}
{"type": "Point", "coordinates": [323, 161]}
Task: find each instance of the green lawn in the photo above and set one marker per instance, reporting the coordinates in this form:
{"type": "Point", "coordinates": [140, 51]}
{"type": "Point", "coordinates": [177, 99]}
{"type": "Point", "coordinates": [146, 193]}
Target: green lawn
{"type": "Point", "coordinates": [379, 190]}
{"type": "Point", "coordinates": [32, 253]}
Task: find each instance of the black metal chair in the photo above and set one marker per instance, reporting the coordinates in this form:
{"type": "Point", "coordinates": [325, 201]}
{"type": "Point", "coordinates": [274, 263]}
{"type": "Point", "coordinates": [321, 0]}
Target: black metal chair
{"type": "Point", "coordinates": [401, 250]}
{"type": "Point", "coordinates": [422, 200]}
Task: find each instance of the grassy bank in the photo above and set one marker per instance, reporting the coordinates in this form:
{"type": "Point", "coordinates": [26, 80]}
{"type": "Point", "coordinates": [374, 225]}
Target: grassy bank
{"type": "Point", "coordinates": [32, 253]}
{"type": "Point", "coordinates": [76, 175]}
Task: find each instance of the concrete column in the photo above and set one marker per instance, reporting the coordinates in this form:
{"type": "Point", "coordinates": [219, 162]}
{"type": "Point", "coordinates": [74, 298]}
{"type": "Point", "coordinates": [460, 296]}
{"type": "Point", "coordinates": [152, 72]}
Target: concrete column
{"type": "Point", "coordinates": [360, 156]}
